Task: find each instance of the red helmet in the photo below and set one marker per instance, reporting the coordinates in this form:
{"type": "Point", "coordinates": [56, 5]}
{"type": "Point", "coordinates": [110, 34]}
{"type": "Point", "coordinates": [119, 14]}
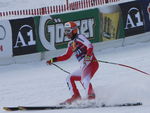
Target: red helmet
{"type": "Point", "coordinates": [70, 27]}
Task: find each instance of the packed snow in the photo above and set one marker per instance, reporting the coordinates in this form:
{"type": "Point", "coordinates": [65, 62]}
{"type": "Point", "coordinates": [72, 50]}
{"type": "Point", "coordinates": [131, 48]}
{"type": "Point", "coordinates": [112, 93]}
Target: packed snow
{"type": "Point", "coordinates": [39, 84]}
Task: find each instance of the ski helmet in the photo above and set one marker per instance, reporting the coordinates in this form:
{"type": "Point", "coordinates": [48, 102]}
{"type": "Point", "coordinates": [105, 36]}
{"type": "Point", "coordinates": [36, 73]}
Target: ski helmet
{"type": "Point", "coordinates": [70, 27]}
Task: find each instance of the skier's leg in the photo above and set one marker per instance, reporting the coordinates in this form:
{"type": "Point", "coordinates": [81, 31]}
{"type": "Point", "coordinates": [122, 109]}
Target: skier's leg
{"type": "Point", "coordinates": [75, 76]}
{"type": "Point", "coordinates": [91, 93]}
{"type": "Point", "coordinates": [87, 75]}
{"type": "Point", "coordinates": [71, 84]}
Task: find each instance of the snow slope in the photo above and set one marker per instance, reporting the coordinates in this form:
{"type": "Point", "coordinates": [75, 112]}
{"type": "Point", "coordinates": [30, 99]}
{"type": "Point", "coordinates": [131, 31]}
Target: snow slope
{"type": "Point", "coordinates": [8, 5]}
{"type": "Point", "coordinates": [39, 84]}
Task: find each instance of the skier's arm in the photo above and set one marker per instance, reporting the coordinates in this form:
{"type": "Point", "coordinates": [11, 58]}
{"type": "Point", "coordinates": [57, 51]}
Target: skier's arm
{"type": "Point", "coordinates": [89, 50]}
{"type": "Point", "coordinates": [66, 56]}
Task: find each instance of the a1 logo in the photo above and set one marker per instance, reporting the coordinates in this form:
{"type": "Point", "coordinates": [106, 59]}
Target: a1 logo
{"type": "Point", "coordinates": [28, 36]}
{"type": "Point", "coordinates": [134, 18]}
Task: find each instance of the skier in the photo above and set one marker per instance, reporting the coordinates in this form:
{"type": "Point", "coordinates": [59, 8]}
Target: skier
{"type": "Point", "coordinates": [83, 50]}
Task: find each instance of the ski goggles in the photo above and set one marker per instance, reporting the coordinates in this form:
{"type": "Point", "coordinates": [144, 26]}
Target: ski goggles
{"type": "Point", "coordinates": [67, 31]}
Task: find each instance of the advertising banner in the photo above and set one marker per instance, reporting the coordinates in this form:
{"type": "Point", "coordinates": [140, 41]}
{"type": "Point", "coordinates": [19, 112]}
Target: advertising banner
{"type": "Point", "coordinates": [145, 5]}
{"type": "Point", "coordinates": [121, 32]}
{"type": "Point", "coordinates": [110, 26]}
{"type": "Point", "coordinates": [5, 39]}
{"type": "Point", "coordinates": [133, 18]}
{"type": "Point", "coordinates": [23, 36]}
{"type": "Point", "coordinates": [51, 28]}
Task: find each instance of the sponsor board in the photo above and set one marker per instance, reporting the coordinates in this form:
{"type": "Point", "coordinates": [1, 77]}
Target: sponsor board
{"type": "Point", "coordinates": [145, 6]}
{"type": "Point", "coordinates": [148, 10]}
{"type": "Point", "coordinates": [5, 39]}
{"type": "Point", "coordinates": [23, 36]}
{"type": "Point", "coordinates": [133, 18]}
{"type": "Point", "coordinates": [110, 26]}
{"type": "Point", "coordinates": [51, 28]}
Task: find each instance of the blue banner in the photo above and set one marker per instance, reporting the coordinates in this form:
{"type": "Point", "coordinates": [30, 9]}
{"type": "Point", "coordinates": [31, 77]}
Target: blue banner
{"type": "Point", "coordinates": [145, 5]}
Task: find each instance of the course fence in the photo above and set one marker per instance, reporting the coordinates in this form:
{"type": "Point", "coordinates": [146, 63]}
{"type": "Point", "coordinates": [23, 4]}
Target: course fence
{"type": "Point", "coordinates": [82, 4]}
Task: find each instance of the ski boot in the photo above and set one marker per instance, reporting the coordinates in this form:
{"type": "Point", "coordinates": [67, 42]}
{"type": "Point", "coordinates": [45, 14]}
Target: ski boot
{"type": "Point", "coordinates": [91, 96]}
{"type": "Point", "coordinates": [71, 100]}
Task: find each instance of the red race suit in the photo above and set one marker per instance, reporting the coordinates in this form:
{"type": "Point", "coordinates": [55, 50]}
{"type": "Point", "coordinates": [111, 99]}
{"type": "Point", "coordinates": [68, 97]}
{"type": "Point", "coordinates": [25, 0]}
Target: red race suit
{"type": "Point", "coordinates": [81, 47]}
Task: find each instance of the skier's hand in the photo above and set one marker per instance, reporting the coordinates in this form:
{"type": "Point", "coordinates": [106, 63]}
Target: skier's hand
{"type": "Point", "coordinates": [49, 62]}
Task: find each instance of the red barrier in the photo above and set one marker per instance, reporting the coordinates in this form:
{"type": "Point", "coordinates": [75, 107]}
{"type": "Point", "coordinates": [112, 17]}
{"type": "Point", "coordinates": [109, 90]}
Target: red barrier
{"type": "Point", "coordinates": [81, 4]}
{"type": "Point", "coordinates": [58, 8]}
{"type": "Point", "coordinates": [64, 7]}
{"type": "Point", "coordinates": [23, 12]}
{"type": "Point", "coordinates": [9, 12]}
{"type": "Point", "coordinates": [54, 9]}
{"type": "Point", "coordinates": [29, 12]}
{"type": "Point", "coordinates": [34, 12]}
{"type": "Point", "coordinates": [15, 12]}
{"type": "Point", "coordinates": [51, 9]}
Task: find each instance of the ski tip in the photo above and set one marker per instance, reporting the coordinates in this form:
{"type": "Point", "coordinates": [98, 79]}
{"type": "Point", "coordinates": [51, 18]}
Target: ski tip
{"type": "Point", "coordinates": [6, 108]}
{"type": "Point", "coordinates": [132, 104]}
{"type": "Point", "coordinates": [123, 105]}
{"type": "Point", "coordinates": [10, 108]}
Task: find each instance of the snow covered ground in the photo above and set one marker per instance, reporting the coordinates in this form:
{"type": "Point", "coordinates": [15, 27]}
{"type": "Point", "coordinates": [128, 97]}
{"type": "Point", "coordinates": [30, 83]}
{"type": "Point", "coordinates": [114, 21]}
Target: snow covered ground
{"type": "Point", "coordinates": [8, 5]}
{"type": "Point", "coordinates": [40, 84]}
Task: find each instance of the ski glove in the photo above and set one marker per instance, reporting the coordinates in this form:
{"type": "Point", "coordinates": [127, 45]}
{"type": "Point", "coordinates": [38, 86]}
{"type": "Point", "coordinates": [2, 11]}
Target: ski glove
{"type": "Point", "coordinates": [51, 61]}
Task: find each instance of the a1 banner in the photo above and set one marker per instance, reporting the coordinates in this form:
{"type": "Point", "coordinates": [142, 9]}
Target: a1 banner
{"type": "Point", "coordinates": [133, 18]}
{"type": "Point", "coordinates": [5, 39]}
{"type": "Point", "coordinates": [23, 36]}
{"type": "Point", "coordinates": [145, 5]}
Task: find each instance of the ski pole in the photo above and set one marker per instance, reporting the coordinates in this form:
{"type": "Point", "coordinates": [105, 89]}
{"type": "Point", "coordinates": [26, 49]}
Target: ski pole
{"type": "Point", "coordinates": [124, 66]}
{"type": "Point", "coordinates": [61, 68]}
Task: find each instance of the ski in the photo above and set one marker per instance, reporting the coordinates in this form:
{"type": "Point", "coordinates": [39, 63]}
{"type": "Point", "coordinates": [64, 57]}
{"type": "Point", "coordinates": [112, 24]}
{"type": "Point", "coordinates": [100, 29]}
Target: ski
{"type": "Point", "coordinates": [41, 107]}
{"type": "Point", "coordinates": [123, 105]}
{"type": "Point", "coordinates": [11, 108]}
{"type": "Point", "coordinates": [26, 108]}
{"type": "Point", "coordinates": [21, 108]}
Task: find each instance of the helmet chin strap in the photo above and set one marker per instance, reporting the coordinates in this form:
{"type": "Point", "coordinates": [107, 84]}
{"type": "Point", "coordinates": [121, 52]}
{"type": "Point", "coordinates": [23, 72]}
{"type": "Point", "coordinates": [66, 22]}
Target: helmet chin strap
{"type": "Point", "coordinates": [73, 37]}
